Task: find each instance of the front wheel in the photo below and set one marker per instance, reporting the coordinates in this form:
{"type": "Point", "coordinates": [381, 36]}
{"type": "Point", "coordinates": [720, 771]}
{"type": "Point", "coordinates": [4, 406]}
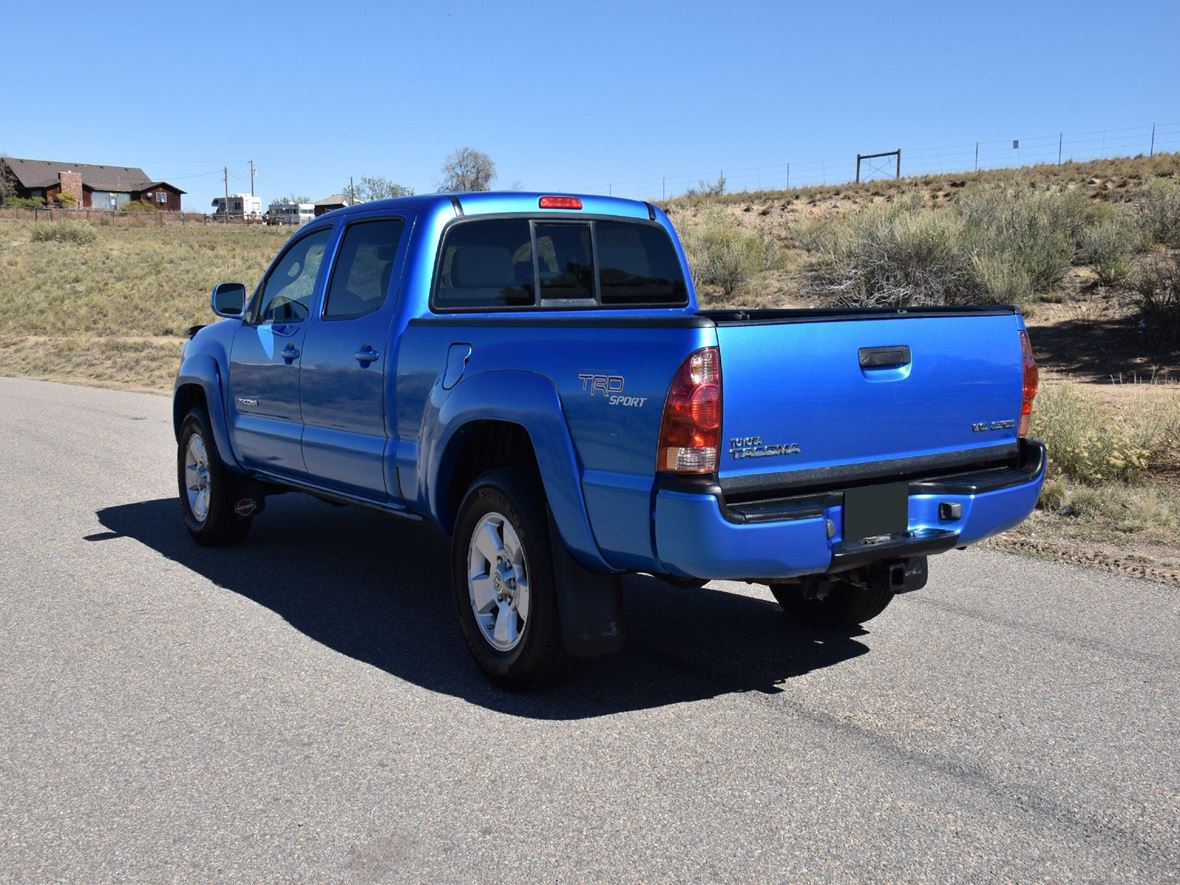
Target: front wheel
{"type": "Point", "coordinates": [502, 577]}
{"type": "Point", "coordinates": [844, 605]}
{"type": "Point", "coordinates": [209, 494]}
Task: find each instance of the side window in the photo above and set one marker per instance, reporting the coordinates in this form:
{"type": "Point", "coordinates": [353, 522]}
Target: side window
{"type": "Point", "coordinates": [487, 264]}
{"type": "Point", "coordinates": [563, 256]}
{"type": "Point", "coordinates": [289, 287]}
{"type": "Point", "coordinates": [364, 266]}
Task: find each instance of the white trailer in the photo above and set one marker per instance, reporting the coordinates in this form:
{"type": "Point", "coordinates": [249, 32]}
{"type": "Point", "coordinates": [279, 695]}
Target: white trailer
{"type": "Point", "coordinates": [245, 206]}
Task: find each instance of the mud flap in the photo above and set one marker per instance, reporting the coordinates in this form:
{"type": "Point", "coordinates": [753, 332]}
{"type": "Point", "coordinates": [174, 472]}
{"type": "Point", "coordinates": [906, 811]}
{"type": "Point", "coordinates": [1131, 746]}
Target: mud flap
{"type": "Point", "coordinates": [590, 604]}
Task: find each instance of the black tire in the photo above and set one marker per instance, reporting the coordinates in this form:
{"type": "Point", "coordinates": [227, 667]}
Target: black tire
{"type": "Point", "coordinates": [539, 657]}
{"type": "Point", "coordinates": [846, 605]}
{"type": "Point", "coordinates": [221, 525]}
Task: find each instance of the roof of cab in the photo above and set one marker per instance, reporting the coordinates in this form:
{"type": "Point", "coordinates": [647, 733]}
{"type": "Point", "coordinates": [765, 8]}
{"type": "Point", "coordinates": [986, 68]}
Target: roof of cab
{"type": "Point", "coordinates": [503, 202]}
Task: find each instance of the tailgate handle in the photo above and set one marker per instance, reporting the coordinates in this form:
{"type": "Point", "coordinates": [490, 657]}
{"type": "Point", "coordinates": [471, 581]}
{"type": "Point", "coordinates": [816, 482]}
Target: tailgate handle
{"type": "Point", "coordinates": [884, 357]}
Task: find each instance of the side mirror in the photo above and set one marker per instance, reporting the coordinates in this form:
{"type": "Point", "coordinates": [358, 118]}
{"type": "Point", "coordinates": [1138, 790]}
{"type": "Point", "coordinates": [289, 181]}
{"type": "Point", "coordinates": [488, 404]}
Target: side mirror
{"type": "Point", "coordinates": [228, 299]}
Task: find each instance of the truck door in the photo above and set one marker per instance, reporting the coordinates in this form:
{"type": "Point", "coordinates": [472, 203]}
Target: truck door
{"type": "Point", "coordinates": [345, 360]}
{"type": "Point", "coordinates": [266, 357]}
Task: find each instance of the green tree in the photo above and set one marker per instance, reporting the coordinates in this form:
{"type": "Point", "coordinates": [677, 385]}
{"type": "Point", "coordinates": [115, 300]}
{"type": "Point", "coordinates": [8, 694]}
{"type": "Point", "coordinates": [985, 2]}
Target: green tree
{"type": "Point", "coordinates": [376, 187]}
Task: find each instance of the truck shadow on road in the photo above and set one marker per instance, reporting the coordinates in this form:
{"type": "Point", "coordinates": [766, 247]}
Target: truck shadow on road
{"type": "Point", "coordinates": [376, 590]}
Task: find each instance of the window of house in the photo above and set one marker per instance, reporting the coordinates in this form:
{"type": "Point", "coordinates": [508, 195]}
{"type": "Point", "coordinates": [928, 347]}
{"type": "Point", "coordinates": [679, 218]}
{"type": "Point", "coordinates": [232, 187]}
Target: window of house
{"type": "Point", "coordinates": [363, 269]}
{"type": "Point", "coordinates": [288, 289]}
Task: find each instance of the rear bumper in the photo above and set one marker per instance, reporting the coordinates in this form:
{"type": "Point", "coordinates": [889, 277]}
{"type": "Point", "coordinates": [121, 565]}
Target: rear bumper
{"type": "Point", "coordinates": [698, 535]}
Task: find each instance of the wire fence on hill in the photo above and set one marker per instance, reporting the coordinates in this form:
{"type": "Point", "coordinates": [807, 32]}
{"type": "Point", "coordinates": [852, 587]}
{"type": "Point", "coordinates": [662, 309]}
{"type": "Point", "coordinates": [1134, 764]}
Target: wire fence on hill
{"type": "Point", "coordinates": [1058, 147]}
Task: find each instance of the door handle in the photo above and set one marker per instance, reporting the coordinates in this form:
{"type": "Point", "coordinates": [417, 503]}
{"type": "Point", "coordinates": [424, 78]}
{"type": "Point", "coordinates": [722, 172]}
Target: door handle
{"type": "Point", "coordinates": [290, 353]}
{"type": "Point", "coordinates": [366, 355]}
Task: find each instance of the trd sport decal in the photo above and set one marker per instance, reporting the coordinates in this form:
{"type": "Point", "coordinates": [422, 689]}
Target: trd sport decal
{"type": "Point", "coordinates": [611, 387]}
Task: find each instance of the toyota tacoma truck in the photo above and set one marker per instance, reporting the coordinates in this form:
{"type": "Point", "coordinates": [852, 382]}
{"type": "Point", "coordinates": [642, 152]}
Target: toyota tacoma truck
{"type": "Point", "coordinates": [530, 373]}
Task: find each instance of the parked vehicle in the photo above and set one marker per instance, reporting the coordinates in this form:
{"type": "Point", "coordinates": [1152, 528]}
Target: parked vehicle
{"type": "Point", "coordinates": [531, 374]}
{"type": "Point", "coordinates": [244, 206]}
{"type": "Point", "coordinates": [287, 212]}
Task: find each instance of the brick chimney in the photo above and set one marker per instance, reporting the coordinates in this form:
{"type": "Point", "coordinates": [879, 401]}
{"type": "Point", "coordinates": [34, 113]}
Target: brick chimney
{"type": "Point", "coordinates": [71, 183]}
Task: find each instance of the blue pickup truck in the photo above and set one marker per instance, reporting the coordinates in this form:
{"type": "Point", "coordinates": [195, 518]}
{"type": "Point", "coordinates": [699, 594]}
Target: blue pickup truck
{"type": "Point", "coordinates": [530, 373]}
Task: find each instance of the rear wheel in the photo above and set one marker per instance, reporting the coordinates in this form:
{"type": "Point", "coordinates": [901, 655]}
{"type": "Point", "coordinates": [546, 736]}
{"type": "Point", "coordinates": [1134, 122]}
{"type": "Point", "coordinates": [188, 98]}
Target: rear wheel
{"type": "Point", "coordinates": [502, 577]}
{"type": "Point", "coordinates": [209, 494]}
{"type": "Point", "coordinates": [844, 605]}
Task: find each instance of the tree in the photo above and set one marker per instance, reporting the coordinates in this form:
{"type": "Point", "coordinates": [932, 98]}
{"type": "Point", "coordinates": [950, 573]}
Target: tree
{"type": "Point", "coordinates": [294, 198]}
{"type": "Point", "coordinates": [375, 187]}
{"type": "Point", "coordinates": [467, 169]}
{"type": "Point", "coordinates": [8, 182]}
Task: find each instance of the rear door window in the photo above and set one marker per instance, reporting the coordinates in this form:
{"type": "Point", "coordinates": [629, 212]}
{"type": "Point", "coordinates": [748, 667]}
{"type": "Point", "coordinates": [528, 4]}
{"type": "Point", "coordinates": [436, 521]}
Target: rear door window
{"type": "Point", "coordinates": [363, 269]}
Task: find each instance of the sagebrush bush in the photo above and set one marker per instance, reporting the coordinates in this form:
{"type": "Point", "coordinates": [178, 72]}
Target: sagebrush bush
{"type": "Point", "coordinates": [894, 255]}
{"type": "Point", "coordinates": [1091, 441]}
{"type": "Point", "coordinates": [726, 256]}
{"type": "Point", "coordinates": [1110, 246]}
{"type": "Point", "coordinates": [1035, 231]}
{"type": "Point", "coordinates": [1158, 289]}
{"type": "Point", "coordinates": [76, 232]}
{"type": "Point", "coordinates": [1158, 207]}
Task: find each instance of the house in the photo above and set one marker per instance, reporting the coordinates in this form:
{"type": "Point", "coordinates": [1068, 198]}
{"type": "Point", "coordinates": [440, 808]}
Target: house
{"type": "Point", "coordinates": [335, 201]}
{"type": "Point", "coordinates": [90, 186]}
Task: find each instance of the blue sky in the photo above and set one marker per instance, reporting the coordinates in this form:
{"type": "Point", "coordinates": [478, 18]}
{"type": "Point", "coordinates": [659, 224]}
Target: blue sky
{"type": "Point", "coordinates": [580, 96]}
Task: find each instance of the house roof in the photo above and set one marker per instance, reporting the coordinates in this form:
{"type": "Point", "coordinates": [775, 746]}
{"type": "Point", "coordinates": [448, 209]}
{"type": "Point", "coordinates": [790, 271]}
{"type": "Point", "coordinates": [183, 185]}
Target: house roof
{"type": "Point", "coordinates": [336, 200]}
{"type": "Point", "coordinates": [43, 173]}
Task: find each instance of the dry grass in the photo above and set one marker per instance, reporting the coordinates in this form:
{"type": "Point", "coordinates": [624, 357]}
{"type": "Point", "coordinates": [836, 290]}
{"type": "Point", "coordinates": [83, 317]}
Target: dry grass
{"type": "Point", "coordinates": [125, 281]}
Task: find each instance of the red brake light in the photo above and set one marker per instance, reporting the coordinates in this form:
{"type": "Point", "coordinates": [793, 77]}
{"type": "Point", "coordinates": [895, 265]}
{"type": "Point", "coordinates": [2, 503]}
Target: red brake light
{"type": "Point", "coordinates": [1031, 379]}
{"type": "Point", "coordinates": [559, 203]}
{"type": "Point", "coordinates": [690, 434]}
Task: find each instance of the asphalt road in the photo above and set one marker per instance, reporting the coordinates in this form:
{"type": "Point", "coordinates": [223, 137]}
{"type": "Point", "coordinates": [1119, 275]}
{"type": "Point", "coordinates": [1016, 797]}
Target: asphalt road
{"type": "Point", "coordinates": [302, 707]}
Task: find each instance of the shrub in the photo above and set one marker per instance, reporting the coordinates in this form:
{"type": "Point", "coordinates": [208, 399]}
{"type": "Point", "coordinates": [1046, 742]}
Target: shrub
{"type": "Point", "coordinates": [76, 232]}
{"type": "Point", "coordinates": [1159, 212]}
{"type": "Point", "coordinates": [1092, 442]}
{"type": "Point", "coordinates": [723, 255]}
{"type": "Point", "coordinates": [23, 203]}
{"type": "Point", "coordinates": [707, 188]}
{"type": "Point", "coordinates": [1035, 231]}
{"type": "Point", "coordinates": [1109, 247]}
{"type": "Point", "coordinates": [1158, 288]}
{"type": "Point", "coordinates": [133, 206]}
{"type": "Point", "coordinates": [894, 255]}
{"type": "Point", "coordinates": [66, 200]}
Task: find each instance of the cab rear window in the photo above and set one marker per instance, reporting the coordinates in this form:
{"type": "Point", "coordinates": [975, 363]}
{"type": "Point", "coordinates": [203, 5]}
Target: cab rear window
{"type": "Point", "coordinates": [499, 263]}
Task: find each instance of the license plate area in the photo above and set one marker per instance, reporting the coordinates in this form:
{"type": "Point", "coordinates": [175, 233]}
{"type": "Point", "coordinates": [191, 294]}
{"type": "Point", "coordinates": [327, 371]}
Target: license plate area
{"type": "Point", "coordinates": [876, 510]}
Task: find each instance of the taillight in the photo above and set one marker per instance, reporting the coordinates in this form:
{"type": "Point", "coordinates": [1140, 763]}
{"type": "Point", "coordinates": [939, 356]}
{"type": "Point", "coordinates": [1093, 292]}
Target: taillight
{"type": "Point", "coordinates": [1031, 378]}
{"type": "Point", "coordinates": [690, 433]}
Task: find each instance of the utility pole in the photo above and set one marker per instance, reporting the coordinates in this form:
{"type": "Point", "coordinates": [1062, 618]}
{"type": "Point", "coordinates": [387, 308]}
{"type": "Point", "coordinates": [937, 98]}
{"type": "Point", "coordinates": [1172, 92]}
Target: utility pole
{"type": "Point", "coordinates": [977, 156]}
{"type": "Point", "coordinates": [788, 176]}
{"type": "Point", "coordinates": [253, 172]}
{"type": "Point", "coordinates": [1151, 153]}
{"type": "Point", "coordinates": [1060, 136]}
{"type": "Point", "coordinates": [225, 174]}
{"type": "Point", "coordinates": [351, 190]}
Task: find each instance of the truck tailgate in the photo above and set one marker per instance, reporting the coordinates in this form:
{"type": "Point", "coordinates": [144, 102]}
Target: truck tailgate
{"type": "Point", "coordinates": [834, 400]}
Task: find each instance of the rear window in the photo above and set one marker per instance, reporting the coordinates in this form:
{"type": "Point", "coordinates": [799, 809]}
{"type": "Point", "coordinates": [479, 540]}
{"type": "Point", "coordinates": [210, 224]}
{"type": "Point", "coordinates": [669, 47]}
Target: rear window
{"type": "Point", "coordinates": [637, 265]}
{"type": "Point", "coordinates": [489, 264]}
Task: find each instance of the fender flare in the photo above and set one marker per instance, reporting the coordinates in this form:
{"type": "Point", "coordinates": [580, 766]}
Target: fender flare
{"type": "Point", "coordinates": [532, 402]}
{"type": "Point", "coordinates": [203, 371]}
